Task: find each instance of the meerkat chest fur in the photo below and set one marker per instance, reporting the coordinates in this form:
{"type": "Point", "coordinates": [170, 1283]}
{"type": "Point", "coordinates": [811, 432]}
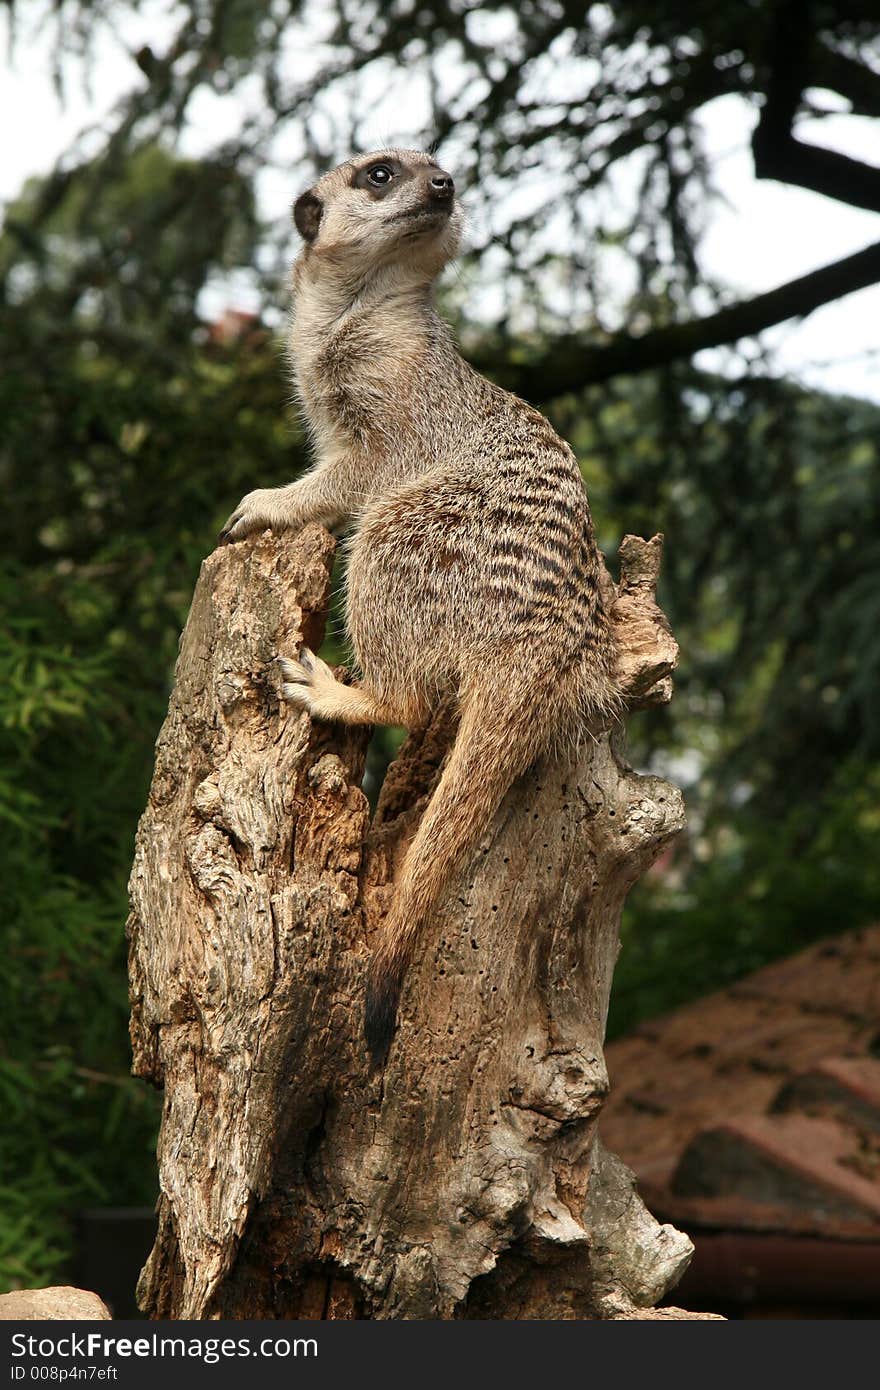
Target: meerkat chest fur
{"type": "Point", "coordinates": [366, 359]}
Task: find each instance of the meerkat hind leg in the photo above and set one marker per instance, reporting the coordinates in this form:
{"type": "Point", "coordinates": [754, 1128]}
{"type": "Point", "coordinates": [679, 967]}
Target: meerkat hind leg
{"type": "Point", "coordinates": [310, 684]}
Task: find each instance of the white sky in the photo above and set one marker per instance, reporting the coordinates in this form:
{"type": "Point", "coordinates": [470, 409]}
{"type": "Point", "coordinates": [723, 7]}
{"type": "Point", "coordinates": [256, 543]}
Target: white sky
{"type": "Point", "coordinates": [763, 235]}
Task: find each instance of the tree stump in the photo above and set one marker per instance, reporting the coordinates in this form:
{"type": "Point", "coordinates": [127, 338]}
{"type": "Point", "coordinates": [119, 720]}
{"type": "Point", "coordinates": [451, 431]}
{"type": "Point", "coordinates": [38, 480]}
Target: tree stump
{"type": "Point", "coordinates": [466, 1179]}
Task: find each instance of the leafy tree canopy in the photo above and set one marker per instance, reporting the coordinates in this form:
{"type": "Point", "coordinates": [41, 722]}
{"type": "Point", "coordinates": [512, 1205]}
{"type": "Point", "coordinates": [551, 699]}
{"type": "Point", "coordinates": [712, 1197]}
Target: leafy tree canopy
{"type": "Point", "coordinates": [576, 129]}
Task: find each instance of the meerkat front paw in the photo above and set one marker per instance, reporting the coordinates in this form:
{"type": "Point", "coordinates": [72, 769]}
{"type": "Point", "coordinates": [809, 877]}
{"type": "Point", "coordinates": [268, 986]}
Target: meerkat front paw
{"type": "Point", "coordinates": [307, 681]}
{"type": "Point", "coordinates": [251, 514]}
{"type": "Point", "coordinates": [262, 508]}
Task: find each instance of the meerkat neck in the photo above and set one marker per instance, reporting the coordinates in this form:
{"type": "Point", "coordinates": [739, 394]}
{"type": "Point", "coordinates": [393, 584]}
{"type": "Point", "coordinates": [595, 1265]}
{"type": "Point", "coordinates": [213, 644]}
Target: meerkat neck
{"type": "Point", "coordinates": [356, 347]}
{"type": "Point", "coordinates": [326, 299]}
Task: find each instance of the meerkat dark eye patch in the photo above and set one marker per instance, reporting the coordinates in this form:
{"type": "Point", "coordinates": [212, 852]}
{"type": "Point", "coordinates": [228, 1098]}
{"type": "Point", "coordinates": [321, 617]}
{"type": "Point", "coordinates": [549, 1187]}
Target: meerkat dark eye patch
{"type": "Point", "coordinates": [307, 212]}
{"type": "Point", "coordinates": [380, 176]}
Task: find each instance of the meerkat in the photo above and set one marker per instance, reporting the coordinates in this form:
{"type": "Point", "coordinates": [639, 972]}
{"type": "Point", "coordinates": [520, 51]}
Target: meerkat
{"type": "Point", "coordinates": [472, 566]}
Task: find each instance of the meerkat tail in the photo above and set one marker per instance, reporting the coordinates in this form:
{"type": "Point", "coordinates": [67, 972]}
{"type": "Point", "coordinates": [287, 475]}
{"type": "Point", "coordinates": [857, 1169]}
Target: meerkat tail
{"type": "Point", "coordinates": [497, 740]}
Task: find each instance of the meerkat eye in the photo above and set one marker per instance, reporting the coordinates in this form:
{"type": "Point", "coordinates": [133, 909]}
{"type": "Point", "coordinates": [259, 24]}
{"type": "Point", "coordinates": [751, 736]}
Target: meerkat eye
{"type": "Point", "coordinates": [379, 175]}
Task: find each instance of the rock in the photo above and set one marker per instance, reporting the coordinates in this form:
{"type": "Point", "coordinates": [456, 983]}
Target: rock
{"type": "Point", "coordinates": [50, 1305]}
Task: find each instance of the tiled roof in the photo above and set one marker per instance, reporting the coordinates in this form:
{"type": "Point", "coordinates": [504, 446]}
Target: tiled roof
{"type": "Point", "coordinates": [758, 1108]}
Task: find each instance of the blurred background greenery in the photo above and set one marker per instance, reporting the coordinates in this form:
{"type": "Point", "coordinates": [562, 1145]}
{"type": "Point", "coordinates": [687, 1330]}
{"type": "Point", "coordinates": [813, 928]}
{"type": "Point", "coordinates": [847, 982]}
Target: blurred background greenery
{"type": "Point", "coordinates": [135, 416]}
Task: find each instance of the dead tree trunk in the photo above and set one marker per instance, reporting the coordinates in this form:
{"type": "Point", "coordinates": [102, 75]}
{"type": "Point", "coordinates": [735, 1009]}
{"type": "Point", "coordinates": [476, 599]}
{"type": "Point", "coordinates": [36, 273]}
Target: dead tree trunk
{"type": "Point", "coordinates": [466, 1179]}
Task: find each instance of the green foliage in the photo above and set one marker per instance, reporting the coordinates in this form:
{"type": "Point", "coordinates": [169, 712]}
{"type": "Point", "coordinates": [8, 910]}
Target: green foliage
{"type": "Point", "coordinates": [117, 479]}
{"type": "Point", "coordinates": [769, 497]}
{"type": "Point", "coordinates": [576, 131]}
{"type": "Point", "coordinates": [760, 889]}
{"type": "Point", "coordinates": [73, 1121]}
{"type": "Point", "coordinates": [122, 245]}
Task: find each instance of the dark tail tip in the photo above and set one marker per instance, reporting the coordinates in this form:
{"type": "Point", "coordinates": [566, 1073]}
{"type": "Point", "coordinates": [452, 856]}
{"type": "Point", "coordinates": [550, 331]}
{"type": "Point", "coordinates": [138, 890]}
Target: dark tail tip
{"type": "Point", "coordinates": [380, 1015]}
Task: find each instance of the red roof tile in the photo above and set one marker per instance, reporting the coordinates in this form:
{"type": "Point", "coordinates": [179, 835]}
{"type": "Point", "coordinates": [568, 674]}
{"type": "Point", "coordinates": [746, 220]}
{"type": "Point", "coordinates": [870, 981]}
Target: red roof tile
{"type": "Point", "coordinates": [759, 1107]}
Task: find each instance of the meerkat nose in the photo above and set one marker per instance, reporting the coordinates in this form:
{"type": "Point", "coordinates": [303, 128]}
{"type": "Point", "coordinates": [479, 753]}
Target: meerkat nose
{"type": "Point", "coordinates": [442, 185]}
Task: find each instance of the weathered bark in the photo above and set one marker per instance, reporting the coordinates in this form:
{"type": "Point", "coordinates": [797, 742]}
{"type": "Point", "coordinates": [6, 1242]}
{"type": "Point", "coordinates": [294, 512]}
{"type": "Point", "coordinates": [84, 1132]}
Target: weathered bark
{"type": "Point", "coordinates": [466, 1179]}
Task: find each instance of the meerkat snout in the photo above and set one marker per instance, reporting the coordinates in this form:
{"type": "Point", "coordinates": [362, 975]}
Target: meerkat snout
{"type": "Point", "coordinates": [442, 185]}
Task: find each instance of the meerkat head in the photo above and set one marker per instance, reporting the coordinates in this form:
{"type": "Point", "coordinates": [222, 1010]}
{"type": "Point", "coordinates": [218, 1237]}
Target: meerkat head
{"type": "Point", "coordinates": [391, 207]}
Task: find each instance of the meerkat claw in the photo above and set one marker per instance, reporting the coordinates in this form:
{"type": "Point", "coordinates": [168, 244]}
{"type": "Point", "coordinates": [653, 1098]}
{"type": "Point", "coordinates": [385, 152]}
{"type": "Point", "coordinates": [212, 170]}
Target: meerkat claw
{"type": "Point", "coordinates": [298, 672]}
{"type": "Point", "coordinates": [299, 678]}
{"type": "Point", "coordinates": [236, 528]}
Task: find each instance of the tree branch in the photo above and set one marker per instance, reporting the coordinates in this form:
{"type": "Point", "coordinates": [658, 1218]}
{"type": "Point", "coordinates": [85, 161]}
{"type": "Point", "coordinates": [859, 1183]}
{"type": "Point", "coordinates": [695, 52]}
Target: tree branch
{"type": "Point", "coordinates": [570, 364]}
{"type": "Point", "coordinates": [854, 81]}
{"type": "Point", "coordinates": [823, 171]}
{"type": "Point", "coordinates": [777, 154]}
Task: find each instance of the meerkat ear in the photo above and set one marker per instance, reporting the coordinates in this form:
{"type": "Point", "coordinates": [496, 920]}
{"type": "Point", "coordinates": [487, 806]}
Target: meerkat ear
{"type": "Point", "coordinates": [307, 212]}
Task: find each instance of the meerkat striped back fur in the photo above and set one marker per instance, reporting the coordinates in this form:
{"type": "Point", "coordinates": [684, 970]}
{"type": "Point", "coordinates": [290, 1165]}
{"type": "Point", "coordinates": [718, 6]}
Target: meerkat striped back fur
{"type": "Point", "coordinates": [472, 565]}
